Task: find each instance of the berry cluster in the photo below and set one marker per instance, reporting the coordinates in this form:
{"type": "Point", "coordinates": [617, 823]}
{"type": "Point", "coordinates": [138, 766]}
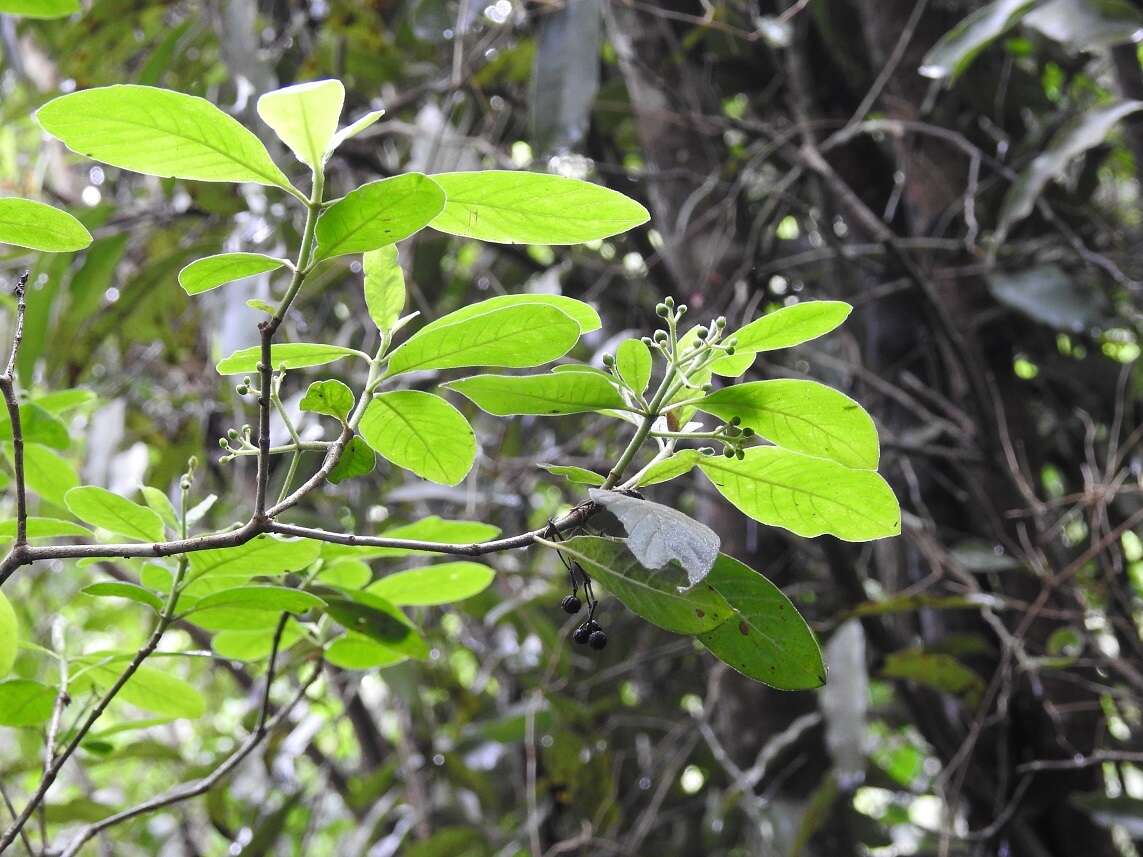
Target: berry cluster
{"type": "Point", "coordinates": [589, 632]}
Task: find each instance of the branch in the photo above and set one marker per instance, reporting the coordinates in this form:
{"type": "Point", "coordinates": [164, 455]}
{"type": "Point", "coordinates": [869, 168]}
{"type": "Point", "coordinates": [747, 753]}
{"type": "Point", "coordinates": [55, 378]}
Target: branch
{"type": "Point", "coordinates": [8, 387]}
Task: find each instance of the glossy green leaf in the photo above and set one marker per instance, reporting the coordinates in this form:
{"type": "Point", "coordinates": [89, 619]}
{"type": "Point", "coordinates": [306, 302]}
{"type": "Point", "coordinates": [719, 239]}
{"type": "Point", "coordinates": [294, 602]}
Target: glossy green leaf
{"type": "Point", "coordinates": [358, 652]}
{"type": "Point", "coordinates": [253, 645]}
{"type": "Point", "coordinates": [161, 505]}
{"type": "Point", "coordinates": [288, 355]}
{"type": "Point", "coordinates": [434, 584]}
{"type": "Point", "coordinates": [46, 473]}
{"type": "Point", "coordinates": [354, 128]}
{"type": "Point", "coordinates": [210, 272]}
{"type": "Point", "coordinates": [276, 599]}
{"type": "Point", "coordinates": [733, 365]}
{"type": "Point", "coordinates": [422, 433]}
{"type": "Point", "coordinates": [103, 508]}
{"type": "Point", "coordinates": [40, 8]}
{"type": "Point", "coordinates": [548, 395]}
{"type": "Point", "coordinates": [653, 594]}
{"type": "Point", "coordinates": [384, 287]}
{"type": "Point", "coordinates": [957, 48]}
{"type": "Point", "coordinates": [573, 474]}
{"type": "Point", "coordinates": [261, 555]}
{"type": "Point", "coordinates": [44, 528]}
{"type": "Point", "coordinates": [671, 467]}
{"type": "Point", "coordinates": [585, 315]}
{"type": "Point", "coordinates": [305, 117]}
{"type": "Point", "coordinates": [357, 459]}
{"type": "Point", "coordinates": [515, 337]}
{"type": "Point", "coordinates": [806, 495]}
{"type": "Point", "coordinates": [373, 617]}
{"type": "Point", "coordinates": [9, 635]}
{"type": "Point", "coordinates": [332, 398]}
{"type": "Point", "coordinates": [161, 133]}
{"type": "Point", "coordinates": [128, 591]}
{"type": "Point", "coordinates": [791, 325]}
{"type": "Point", "coordinates": [633, 363]}
{"type": "Point", "coordinates": [804, 416]}
{"type": "Point", "coordinates": [766, 638]}
{"type": "Point", "coordinates": [38, 426]}
{"type": "Point", "coordinates": [345, 573]}
{"type": "Point", "coordinates": [378, 214]}
{"type": "Point", "coordinates": [25, 703]}
{"type": "Point", "coordinates": [512, 207]}
{"type": "Point", "coordinates": [152, 689]}
{"type": "Point", "coordinates": [31, 224]}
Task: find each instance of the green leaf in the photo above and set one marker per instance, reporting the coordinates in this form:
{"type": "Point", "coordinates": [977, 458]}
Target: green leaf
{"type": "Point", "coordinates": [936, 670]}
{"type": "Point", "coordinates": [575, 475]}
{"type": "Point", "coordinates": [734, 365]}
{"type": "Point", "coordinates": [1086, 24]}
{"type": "Point", "coordinates": [378, 214]}
{"type": "Point", "coordinates": [276, 599]}
{"type": "Point", "coordinates": [38, 426]}
{"type": "Point", "coordinates": [804, 416]}
{"type": "Point", "coordinates": [357, 652]}
{"type": "Point", "coordinates": [511, 207]}
{"type": "Point", "coordinates": [118, 589]}
{"type": "Point", "coordinates": [253, 645]}
{"type": "Point", "coordinates": [40, 8]}
{"type": "Point", "coordinates": [422, 433]}
{"type": "Point", "coordinates": [353, 129]}
{"type": "Point", "coordinates": [430, 529]}
{"type": "Point", "coordinates": [305, 117]}
{"type": "Point", "coordinates": [31, 224]}
{"type": "Point", "coordinates": [791, 326]}
{"type": "Point", "coordinates": [61, 401]}
{"type": "Point", "coordinates": [658, 535]}
{"type": "Point", "coordinates": [808, 496]}
{"type": "Point", "coordinates": [288, 355]}
{"type": "Point", "coordinates": [261, 555]}
{"type": "Point", "coordinates": [669, 468]}
{"type": "Point", "coordinates": [331, 398]}
{"type": "Point", "coordinates": [582, 313]}
{"type": "Point", "coordinates": [374, 617]}
{"type": "Point", "coordinates": [435, 584]}
{"type": "Point", "coordinates": [357, 459]}
{"type": "Point", "coordinates": [957, 48]}
{"type": "Point", "coordinates": [766, 639]}
{"type": "Point", "coordinates": [44, 528]}
{"type": "Point", "coordinates": [25, 703]}
{"type": "Point", "coordinates": [9, 636]}
{"type": "Point", "coordinates": [161, 505]}
{"type": "Point", "coordinates": [384, 287]}
{"type": "Point", "coordinates": [633, 363]}
{"type": "Point", "coordinates": [160, 133]}
{"type": "Point", "coordinates": [1085, 131]}
{"type": "Point", "coordinates": [150, 688]}
{"type": "Point", "coordinates": [108, 510]}
{"type": "Point", "coordinates": [547, 395]}
{"type": "Point", "coordinates": [654, 595]}
{"type": "Point", "coordinates": [515, 337]}
{"type": "Point", "coordinates": [345, 573]}
{"type": "Point", "coordinates": [46, 473]}
{"type": "Point", "coordinates": [210, 272]}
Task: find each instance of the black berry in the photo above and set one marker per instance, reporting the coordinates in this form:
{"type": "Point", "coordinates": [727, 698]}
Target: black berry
{"type": "Point", "coordinates": [597, 640]}
{"type": "Point", "coordinates": [582, 634]}
{"type": "Point", "coordinates": [571, 604]}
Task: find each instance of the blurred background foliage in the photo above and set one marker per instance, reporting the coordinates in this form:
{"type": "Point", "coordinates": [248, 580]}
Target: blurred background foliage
{"type": "Point", "coordinates": [974, 195]}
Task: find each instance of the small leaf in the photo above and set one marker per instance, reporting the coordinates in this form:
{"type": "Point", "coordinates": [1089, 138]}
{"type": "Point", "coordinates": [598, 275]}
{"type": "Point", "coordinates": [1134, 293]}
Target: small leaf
{"type": "Point", "coordinates": [511, 207]}
{"type": "Point", "coordinates": [434, 584]}
{"type": "Point", "coordinates": [9, 636]}
{"type": "Point", "coordinates": [936, 670]}
{"type": "Point", "coordinates": [384, 287]}
{"type": "Point", "coordinates": [358, 652]}
{"type": "Point", "coordinates": [658, 535]}
{"type": "Point", "coordinates": [305, 117]}
{"type": "Point", "coordinates": [633, 363]}
{"type": "Point", "coordinates": [118, 589]}
{"type": "Point", "coordinates": [654, 595]}
{"type": "Point", "coordinates": [38, 426]}
{"type": "Point", "coordinates": [357, 459]}
{"type": "Point", "coordinates": [422, 433]}
{"type": "Point", "coordinates": [345, 574]}
{"type": "Point", "coordinates": [102, 508]}
{"type": "Point", "coordinates": [40, 8]}
{"type": "Point", "coordinates": [276, 599]}
{"type": "Point", "coordinates": [678, 464]}
{"type": "Point", "coordinates": [46, 473]}
{"type": "Point", "coordinates": [253, 645]}
{"type": "Point", "coordinates": [515, 337]}
{"type": "Point", "coordinates": [210, 272]}
{"type": "Point", "coordinates": [791, 326]}
{"type": "Point", "coordinates": [61, 401]}
{"type": "Point", "coordinates": [332, 398]}
{"type": "Point", "coordinates": [31, 224]}
{"type": "Point", "coordinates": [957, 48]}
{"type": "Point", "coordinates": [378, 214]}
{"type": "Point", "coordinates": [766, 639]}
{"type": "Point", "coordinates": [547, 395]}
{"type": "Point", "coordinates": [44, 528]}
{"type": "Point", "coordinates": [353, 129]}
{"type": "Point", "coordinates": [374, 617]}
{"type": "Point", "coordinates": [288, 355]}
{"type": "Point", "coordinates": [575, 475]}
{"type": "Point", "coordinates": [150, 688]}
{"type": "Point", "coordinates": [583, 314]}
{"type": "Point", "coordinates": [159, 132]}
{"type": "Point", "coordinates": [808, 496]}
{"type": "Point", "coordinates": [265, 555]}
{"type": "Point", "coordinates": [804, 416]}
{"type": "Point", "coordinates": [734, 365]}
{"type": "Point", "coordinates": [25, 703]}
{"type": "Point", "coordinates": [161, 505]}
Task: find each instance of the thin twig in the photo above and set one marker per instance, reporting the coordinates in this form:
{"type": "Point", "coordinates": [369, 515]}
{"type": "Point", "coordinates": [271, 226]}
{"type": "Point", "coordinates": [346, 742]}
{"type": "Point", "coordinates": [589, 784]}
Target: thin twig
{"type": "Point", "coordinates": [8, 387]}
